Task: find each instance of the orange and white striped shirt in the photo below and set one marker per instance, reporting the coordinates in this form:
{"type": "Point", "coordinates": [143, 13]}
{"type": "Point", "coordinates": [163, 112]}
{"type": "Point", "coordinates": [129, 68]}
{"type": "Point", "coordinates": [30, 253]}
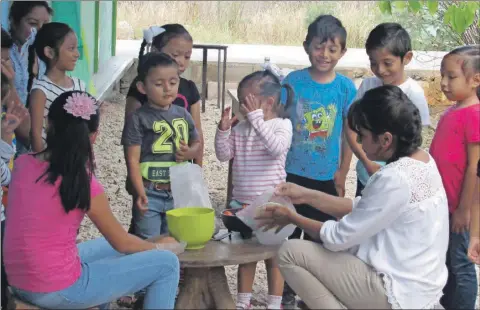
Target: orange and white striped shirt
{"type": "Point", "coordinates": [259, 149]}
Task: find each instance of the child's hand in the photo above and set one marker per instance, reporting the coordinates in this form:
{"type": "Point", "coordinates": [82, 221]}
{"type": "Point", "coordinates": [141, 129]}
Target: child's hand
{"type": "Point", "coordinates": [460, 220]}
{"type": "Point", "coordinates": [184, 152]}
{"type": "Point", "coordinates": [474, 250]}
{"type": "Point", "coordinates": [226, 122]}
{"type": "Point", "coordinates": [251, 104]}
{"type": "Point", "coordinates": [142, 203]}
{"type": "Point", "coordinates": [15, 115]}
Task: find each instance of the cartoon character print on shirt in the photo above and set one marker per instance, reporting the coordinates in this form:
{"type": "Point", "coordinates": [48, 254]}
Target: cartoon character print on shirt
{"type": "Point", "coordinates": [320, 122]}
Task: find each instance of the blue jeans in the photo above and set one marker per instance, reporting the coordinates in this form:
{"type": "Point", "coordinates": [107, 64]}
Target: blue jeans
{"type": "Point", "coordinates": [460, 291]}
{"type": "Point", "coordinates": [108, 275]}
{"type": "Point", "coordinates": [154, 221]}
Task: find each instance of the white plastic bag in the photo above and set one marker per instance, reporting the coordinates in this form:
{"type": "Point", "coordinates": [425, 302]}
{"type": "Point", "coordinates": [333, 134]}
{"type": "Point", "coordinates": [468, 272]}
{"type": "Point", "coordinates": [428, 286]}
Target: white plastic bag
{"type": "Point", "coordinates": [189, 189]}
{"type": "Point", "coordinates": [248, 214]}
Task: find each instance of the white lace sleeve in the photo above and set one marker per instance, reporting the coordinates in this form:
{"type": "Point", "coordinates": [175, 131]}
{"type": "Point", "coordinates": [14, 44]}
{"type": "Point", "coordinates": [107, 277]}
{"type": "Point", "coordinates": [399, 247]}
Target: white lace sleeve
{"type": "Point", "coordinates": [383, 200]}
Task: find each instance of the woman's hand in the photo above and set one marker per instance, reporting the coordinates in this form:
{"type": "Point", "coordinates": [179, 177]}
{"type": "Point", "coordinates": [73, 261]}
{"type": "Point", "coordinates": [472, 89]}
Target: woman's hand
{"type": "Point", "coordinates": [296, 193]}
{"type": "Point", "coordinates": [474, 250]}
{"type": "Point", "coordinates": [272, 216]}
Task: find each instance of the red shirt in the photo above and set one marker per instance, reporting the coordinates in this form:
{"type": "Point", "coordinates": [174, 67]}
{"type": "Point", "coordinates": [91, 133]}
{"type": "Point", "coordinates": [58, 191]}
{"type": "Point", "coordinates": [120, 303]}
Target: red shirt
{"type": "Point", "coordinates": [456, 129]}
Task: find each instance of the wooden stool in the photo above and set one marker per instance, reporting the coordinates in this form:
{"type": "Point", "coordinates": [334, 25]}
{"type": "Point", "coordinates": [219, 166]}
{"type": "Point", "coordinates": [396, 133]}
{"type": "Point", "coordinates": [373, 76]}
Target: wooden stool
{"type": "Point", "coordinates": [205, 283]}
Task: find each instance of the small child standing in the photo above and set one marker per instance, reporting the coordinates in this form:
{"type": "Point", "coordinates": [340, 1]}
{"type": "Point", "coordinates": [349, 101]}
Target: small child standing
{"type": "Point", "coordinates": [57, 46]}
{"type": "Point", "coordinates": [390, 49]}
{"type": "Point", "coordinates": [157, 136]}
{"type": "Point", "coordinates": [319, 157]}
{"type": "Point", "coordinates": [259, 147]}
{"type": "Point", "coordinates": [456, 150]}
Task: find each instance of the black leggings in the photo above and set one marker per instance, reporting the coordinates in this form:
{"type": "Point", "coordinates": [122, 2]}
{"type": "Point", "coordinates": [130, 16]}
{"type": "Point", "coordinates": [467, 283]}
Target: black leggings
{"type": "Point", "coordinates": [308, 211]}
{"type": "Point", "coordinates": [4, 275]}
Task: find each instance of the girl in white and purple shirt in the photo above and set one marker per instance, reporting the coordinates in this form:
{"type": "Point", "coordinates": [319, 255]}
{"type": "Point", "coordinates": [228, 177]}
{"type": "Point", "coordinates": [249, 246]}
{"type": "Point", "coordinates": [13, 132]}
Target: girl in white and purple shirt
{"type": "Point", "coordinates": [259, 147]}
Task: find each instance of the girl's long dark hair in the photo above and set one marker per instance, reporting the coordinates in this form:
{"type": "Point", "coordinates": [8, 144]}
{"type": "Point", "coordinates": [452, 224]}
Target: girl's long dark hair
{"type": "Point", "coordinates": [160, 41]}
{"type": "Point", "coordinates": [270, 85]}
{"type": "Point", "coordinates": [69, 152]}
{"type": "Point", "coordinates": [51, 35]}
{"type": "Point", "coordinates": [388, 109]}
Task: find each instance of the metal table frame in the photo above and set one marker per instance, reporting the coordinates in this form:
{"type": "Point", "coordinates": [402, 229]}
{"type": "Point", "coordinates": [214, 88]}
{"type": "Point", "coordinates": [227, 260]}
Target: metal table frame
{"type": "Point", "coordinates": [219, 48]}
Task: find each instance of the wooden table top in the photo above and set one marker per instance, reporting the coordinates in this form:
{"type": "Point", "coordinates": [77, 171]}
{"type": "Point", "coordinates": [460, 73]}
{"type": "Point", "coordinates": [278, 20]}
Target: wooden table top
{"type": "Point", "coordinates": [217, 253]}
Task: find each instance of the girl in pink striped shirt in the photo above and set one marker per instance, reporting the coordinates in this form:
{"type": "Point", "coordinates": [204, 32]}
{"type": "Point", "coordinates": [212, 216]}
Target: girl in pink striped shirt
{"type": "Point", "coordinates": [258, 146]}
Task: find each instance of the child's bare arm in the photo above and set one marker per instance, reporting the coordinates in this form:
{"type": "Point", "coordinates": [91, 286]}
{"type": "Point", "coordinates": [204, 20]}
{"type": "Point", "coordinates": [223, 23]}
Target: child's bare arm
{"type": "Point", "coordinates": [37, 107]}
{"type": "Point", "coordinates": [475, 218]}
{"type": "Point", "coordinates": [351, 137]}
{"type": "Point", "coordinates": [133, 164]}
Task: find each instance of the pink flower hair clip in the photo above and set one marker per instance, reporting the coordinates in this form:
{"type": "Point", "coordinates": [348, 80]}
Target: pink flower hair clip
{"type": "Point", "coordinates": [81, 105]}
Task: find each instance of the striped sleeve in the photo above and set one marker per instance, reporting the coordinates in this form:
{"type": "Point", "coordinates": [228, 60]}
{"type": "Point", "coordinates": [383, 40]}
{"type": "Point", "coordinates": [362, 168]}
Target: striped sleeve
{"type": "Point", "coordinates": [276, 139]}
{"type": "Point", "coordinates": [224, 145]}
{"type": "Point", "coordinates": [6, 153]}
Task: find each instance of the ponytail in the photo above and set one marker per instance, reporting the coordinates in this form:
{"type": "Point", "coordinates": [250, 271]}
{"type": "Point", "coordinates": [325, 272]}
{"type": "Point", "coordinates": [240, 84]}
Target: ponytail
{"type": "Point", "coordinates": [70, 158]}
{"type": "Point", "coordinates": [31, 75]}
{"type": "Point", "coordinates": [289, 101]}
{"type": "Point", "coordinates": [142, 50]}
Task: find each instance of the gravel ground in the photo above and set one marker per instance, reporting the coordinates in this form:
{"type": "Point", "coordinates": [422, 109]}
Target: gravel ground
{"type": "Point", "coordinates": [111, 171]}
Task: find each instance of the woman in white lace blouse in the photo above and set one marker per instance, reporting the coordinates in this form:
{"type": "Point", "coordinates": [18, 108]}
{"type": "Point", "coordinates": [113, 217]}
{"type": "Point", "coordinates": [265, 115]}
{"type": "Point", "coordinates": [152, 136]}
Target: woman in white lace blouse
{"type": "Point", "coordinates": [388, 248]}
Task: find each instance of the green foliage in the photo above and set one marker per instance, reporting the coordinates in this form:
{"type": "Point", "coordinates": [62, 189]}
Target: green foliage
{"type": "Point", "coordinates": [459, 15]}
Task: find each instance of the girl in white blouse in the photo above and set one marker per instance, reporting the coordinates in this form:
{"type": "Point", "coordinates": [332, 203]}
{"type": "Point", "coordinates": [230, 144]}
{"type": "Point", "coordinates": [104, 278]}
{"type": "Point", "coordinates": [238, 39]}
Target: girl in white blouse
{"type": "Point", "coordinates": [388, 248]}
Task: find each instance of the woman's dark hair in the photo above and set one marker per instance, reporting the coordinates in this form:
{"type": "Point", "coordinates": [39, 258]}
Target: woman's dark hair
{"type": "Point", "coordinates": [391, 36]}
{"type": "Point", "coordinates": [388, 109]}
{"type": "Point", "coordinates": [5, 86]}
{"type": "Point", "coordinates": [326, 27]}
{"type": "Point", "coordinates": [70, 153]}
{"type": "Point", "coordinates": [51, 35]}
{"type": "Point", "coordinates": [7, 41]}
{"type": "Point", "coordinates": [172, 31]}
{"type": "Point", "coordinates": [20, 9]}
{"type": "Point", "coordinates": [152, 60]}
{"type": "Point", "coordinates": [270, 86]}
{"type": "Point", "coordinates": [471, 63]}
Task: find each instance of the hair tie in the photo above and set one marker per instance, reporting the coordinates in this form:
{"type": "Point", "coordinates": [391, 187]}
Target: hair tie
{"type": "Point", "coordinates": [81, 105]}
{"type": "Point", "coordinates": [152, 32]}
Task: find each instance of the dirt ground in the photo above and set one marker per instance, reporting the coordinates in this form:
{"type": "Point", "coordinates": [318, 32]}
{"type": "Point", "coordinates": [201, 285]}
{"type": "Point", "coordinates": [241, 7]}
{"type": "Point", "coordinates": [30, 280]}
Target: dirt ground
{"type": "Point", "coordinates": [111, 172]}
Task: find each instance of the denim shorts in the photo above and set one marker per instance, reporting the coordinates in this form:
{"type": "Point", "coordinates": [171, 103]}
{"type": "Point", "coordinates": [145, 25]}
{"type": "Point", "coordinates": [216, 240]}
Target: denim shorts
{"type": "Point", "coordinates": [153, 222]}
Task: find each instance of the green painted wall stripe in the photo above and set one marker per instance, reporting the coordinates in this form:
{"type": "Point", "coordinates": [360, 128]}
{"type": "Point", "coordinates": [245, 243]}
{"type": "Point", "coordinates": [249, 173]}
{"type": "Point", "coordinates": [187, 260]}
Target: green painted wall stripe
{"type": "Point", "coordinates": [114, 27]}
{"type": "Point", "coordinates": [97, 36]}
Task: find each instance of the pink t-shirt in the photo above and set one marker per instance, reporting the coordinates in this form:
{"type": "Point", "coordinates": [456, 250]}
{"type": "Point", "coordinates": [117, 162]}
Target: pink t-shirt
{"type": "Point", "coordinates": [456, 129]}
{"type": "Point", "coordinates": [40, 252]}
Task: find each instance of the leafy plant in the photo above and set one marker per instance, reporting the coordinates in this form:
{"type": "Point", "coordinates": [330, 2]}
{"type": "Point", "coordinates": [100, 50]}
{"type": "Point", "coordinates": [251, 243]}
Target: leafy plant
{"type": "Point", "coordinates": [460, 16]}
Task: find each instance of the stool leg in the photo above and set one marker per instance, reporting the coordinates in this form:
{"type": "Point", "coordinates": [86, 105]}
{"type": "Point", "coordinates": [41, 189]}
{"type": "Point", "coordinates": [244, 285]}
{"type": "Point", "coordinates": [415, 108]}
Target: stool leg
{"type": "Point", "coordinates": [194, 293]}
{"type": "Point", "coordinates": [218, 288]}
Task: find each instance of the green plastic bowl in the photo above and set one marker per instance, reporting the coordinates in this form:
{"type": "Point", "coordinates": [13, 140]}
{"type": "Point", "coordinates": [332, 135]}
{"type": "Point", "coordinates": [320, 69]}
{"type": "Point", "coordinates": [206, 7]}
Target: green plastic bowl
{"type": "Point", "coordinates": [194, 225]}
